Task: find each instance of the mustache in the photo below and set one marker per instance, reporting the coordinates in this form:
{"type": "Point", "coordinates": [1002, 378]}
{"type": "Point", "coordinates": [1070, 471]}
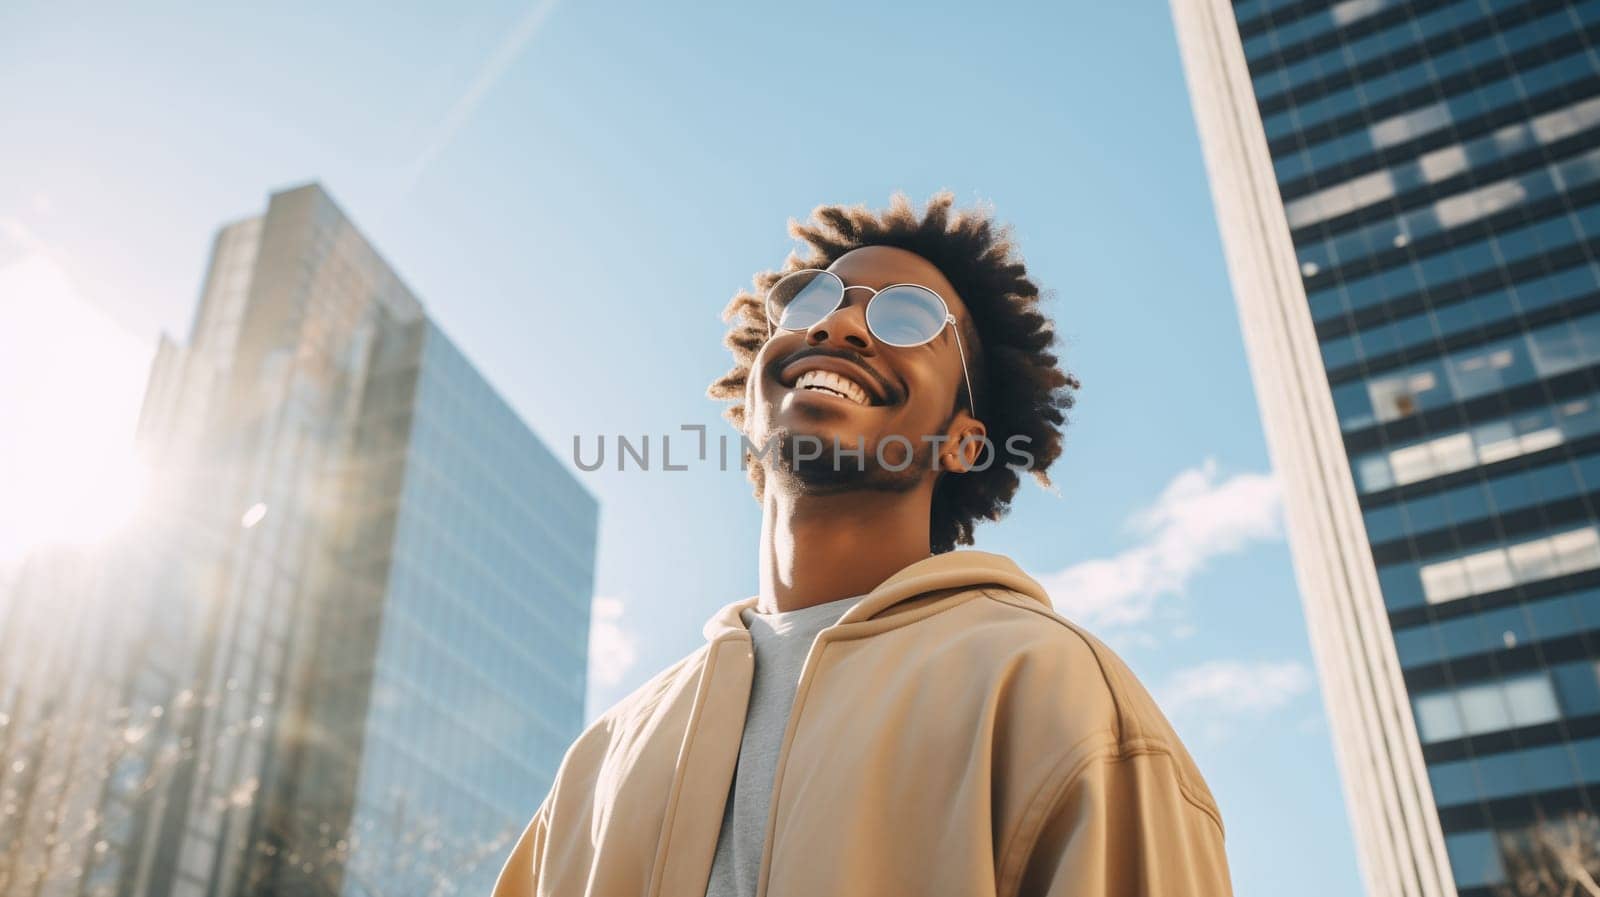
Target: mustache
{"type": "Point", "coordinates": [889, 389]}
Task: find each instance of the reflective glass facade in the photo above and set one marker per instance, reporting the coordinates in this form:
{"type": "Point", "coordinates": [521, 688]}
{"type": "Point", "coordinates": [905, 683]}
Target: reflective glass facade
{"type": "Point", "coordinates": [479, 675]}
{"type": "Point", "coordinates": [1435, 167]}
{"type": "Point", "coordinates": [450, 613]}
{"type": "Point", "coordinates": [346, 647]}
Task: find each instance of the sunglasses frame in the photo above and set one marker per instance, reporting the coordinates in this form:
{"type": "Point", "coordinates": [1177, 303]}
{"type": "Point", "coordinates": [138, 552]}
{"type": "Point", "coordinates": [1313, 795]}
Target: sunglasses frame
{"type": "Point", "coordinates": [949, 319]}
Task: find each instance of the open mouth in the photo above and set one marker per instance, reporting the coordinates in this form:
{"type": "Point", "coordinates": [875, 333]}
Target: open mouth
{"type": "Point", "coordinates": [833, 384]}
{"type": "Point", "coordinates": [836, 376]}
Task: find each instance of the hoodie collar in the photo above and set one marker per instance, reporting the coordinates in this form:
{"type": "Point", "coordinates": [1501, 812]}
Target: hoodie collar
{"type": "Point", "coordinates": [953, 569]}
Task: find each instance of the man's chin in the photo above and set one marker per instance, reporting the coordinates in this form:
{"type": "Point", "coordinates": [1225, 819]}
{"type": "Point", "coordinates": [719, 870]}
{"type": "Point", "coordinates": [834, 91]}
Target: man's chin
{"type": "Point", "coordinates": [831, 438]}
{"type": "Point", "coordinates": [838, 459]}
{"type": "Point", "coordinates": [805, 443]}
{"type": "Point", "coordinates": [826, 433]}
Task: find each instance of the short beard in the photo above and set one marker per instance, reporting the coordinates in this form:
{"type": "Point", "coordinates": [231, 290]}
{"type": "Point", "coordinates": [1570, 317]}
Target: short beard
{"type": "Point", "coordinates": [832, 474]}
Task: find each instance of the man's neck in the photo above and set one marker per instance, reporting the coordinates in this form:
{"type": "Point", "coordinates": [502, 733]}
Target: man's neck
{"type": "Point", "coordinates": [821, 548]}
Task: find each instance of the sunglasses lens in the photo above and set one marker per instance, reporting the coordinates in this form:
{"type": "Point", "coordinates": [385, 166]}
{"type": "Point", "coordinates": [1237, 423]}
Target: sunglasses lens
{"type": "Point", "coordinates": [803, 298]}
{"type": "Point", "coordinates": [905, 316]}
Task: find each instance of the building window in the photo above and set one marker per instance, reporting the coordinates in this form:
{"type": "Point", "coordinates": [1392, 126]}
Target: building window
{"type": "Point", "coordinates": [1527, 700]}
{"type": "Point", "coordinates": [1474, 859]}
{"type": "Point", "coordinates": [1500, 568]}
{"type": "Point", "coordinates": [1487, 443]}
{"type": "Point", "coordinates": [1438, 718]}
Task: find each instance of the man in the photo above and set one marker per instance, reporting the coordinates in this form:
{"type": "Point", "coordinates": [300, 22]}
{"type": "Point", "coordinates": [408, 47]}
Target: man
{"type": "Point", "coordinates": [888, 716]}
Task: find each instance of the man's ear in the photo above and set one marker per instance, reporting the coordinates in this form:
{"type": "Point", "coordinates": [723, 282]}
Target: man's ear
{"type": "Point", "coordinates": [965, 443]}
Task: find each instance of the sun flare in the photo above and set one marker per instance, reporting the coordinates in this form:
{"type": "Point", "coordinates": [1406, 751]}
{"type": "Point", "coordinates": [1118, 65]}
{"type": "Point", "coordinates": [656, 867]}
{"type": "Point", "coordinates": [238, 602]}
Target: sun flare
{"type": "Point", "coordinates": [70, 385]}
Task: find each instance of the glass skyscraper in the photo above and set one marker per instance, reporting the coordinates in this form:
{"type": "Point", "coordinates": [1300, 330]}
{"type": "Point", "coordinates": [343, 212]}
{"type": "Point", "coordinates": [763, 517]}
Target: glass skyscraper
{"type": "Point", "coordinates": [348, 646]}
{"type": "Point", "coordinates": [1409, 197]}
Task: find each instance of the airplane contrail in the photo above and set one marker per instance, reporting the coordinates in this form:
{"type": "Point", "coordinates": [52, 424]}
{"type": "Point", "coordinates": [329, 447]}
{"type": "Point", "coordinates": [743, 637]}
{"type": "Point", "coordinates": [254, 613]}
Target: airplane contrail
{"type": "Point", "coordinates": [493, 68]}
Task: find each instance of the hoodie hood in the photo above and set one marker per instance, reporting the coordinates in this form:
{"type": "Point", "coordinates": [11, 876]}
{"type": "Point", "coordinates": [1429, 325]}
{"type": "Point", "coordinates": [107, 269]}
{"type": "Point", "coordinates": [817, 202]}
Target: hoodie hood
{"type": "Point", "coordinates": [951, 570]}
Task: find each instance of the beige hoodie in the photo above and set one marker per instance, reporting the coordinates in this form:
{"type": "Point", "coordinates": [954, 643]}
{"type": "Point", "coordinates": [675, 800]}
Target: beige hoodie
{"type": "Point", "coordinates": [951, 735]}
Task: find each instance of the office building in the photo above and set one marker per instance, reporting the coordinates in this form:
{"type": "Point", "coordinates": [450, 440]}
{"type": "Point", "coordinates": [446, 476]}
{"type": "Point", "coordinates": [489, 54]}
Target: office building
{"type": "Point", "coordinates": [353, 628]}
{"type": "Point", "coordinates": [1409, 199]}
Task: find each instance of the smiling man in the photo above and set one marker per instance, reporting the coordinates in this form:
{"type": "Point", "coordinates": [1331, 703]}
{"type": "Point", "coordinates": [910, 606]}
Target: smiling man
{"type": "Point", "coordinates": [888, 715]}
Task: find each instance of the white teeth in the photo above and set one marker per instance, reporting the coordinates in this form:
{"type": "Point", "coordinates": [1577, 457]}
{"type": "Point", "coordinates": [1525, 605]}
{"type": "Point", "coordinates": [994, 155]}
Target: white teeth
{"type": "Point", "coordinates": [834, 383]}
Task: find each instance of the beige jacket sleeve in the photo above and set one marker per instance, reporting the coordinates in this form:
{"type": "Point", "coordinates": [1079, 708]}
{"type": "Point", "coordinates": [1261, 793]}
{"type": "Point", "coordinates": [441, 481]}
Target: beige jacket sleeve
{"type": "Point", "coordinates": [1124, 825]}
{"type": "Point", "coordinates": [519, 877]}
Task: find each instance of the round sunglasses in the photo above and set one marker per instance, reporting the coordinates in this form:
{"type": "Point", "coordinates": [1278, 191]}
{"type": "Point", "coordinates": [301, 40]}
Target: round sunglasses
{"type": "Point", "coordinates": [901, 314]}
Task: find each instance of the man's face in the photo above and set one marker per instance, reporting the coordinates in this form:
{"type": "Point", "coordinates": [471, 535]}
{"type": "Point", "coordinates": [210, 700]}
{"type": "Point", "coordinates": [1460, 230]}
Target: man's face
{"type": "Point", "coordinates": [910, 392]}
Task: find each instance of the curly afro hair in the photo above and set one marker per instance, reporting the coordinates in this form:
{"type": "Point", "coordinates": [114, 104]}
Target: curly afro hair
{"type": "Point", "coordinates": [1012, 346]}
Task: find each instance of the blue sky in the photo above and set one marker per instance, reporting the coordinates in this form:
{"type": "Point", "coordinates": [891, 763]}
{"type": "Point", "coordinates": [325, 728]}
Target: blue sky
{"type": "Point", "coordinates": [576, 190]}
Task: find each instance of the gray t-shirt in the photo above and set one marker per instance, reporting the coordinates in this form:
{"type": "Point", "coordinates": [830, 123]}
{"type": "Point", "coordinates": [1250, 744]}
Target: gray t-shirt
{"type": "Point", "coordinates": [781, 642]}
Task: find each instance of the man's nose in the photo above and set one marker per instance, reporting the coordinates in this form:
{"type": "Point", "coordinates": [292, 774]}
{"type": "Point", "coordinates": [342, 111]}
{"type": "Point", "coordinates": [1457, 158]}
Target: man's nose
{"type": "Point", "coordinates": [845, 325]}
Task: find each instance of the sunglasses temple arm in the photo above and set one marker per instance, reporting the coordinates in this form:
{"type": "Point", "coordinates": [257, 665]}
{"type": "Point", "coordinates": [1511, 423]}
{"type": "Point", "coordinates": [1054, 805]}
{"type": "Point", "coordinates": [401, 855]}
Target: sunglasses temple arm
{"type": "Point", "coordinates": [956, 329]}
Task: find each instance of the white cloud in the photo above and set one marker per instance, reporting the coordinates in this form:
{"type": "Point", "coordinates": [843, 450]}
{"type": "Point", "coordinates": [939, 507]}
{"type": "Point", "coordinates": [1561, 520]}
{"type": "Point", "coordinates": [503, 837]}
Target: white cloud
{"type": "Point", "coordinates": [1235, 688]}
{"type": "Point", "coordinates": [612, 647]}
{"type": "Point", "coordinates": [1197, 517]}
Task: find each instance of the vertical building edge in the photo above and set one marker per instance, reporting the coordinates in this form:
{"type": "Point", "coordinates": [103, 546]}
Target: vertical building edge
{"type": "Point", "coordinates": [1399, 840]}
